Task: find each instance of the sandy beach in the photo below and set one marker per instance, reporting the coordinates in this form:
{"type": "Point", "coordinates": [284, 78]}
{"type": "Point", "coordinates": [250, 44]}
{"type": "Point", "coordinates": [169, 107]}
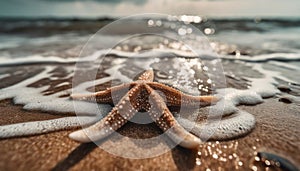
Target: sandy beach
{"type": "Point", "coordinates": [276, 132]}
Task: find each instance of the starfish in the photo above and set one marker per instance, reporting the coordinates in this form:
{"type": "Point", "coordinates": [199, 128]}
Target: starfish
{"type": "Point", "coordinates": [142, 95]}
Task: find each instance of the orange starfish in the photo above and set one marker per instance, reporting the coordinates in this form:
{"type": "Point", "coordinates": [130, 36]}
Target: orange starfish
{"type": "Point", "coordinates": [142, 95]}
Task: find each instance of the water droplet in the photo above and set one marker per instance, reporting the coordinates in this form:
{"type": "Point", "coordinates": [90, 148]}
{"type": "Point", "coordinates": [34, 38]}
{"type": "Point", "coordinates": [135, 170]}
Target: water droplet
{"type": "Point", "coordinates": [267, 162]}
{"type": "Point", "coordinates": [158, 23]}
{"type": "Point", "coordinates": [189, 30]}
{"type": "Point", "coordinates": [209, 31]}
{"type": "Point", "coordinates": [150, 22]}
{"type": "Point", "coordinates": [198, 161]}
{"type": "Point", "coordinates": [197, 19]}
{"type": "Point", "coordinates": [182, 31]}
{"type": "Point", "coordinates": [254, 168]}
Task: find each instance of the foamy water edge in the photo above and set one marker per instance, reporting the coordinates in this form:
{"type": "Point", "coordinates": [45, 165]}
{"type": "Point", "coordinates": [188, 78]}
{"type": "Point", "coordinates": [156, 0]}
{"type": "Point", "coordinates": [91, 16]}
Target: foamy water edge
{"type": "Point", "coordinates": [32, 99]}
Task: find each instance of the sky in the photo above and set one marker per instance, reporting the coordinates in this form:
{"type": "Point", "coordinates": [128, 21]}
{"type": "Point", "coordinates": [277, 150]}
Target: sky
{"type": "Point", "coordinates": [119, 8]}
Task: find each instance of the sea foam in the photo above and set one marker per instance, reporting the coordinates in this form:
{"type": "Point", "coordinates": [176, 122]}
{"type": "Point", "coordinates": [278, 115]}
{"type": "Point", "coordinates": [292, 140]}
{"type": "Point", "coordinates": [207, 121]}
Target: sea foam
{"type": "Point", "coordinates": [234, 122]}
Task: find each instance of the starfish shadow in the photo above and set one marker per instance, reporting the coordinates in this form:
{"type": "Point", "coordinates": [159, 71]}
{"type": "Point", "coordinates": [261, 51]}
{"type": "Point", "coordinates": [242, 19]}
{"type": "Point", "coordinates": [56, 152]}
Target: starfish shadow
{"type": "Point", "coordinates": [144, 136]}
{"type": "Point", "coordinates": [184, 159]}
{"type": "Point", "coordinates": [152, 143]}
{"type": "Point", "coordinates": [75, 156]}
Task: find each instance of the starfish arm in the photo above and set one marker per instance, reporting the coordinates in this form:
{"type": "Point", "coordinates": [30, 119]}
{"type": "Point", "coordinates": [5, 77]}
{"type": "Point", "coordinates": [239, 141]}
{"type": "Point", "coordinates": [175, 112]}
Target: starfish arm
{"type": "Point", "coordinates": [147, 76]}
{"type": "Point", "coordinates": [165, 120]}
{"type": "Point", "coordinates": [176, 98]}
{"type": "Point", "coordinates": [110, 95]}
{"type": "Point", "coordinates": [119, 115]}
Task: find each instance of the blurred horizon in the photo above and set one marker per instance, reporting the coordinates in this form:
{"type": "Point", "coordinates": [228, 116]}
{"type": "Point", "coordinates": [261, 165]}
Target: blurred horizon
{"type": "Point", "coordinates": [96, 9]}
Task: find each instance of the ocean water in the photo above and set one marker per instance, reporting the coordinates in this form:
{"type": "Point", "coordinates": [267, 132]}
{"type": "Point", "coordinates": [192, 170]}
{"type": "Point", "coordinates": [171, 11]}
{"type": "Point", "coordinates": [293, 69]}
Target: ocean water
{"type": "Point", "coordinates": [242, 61]}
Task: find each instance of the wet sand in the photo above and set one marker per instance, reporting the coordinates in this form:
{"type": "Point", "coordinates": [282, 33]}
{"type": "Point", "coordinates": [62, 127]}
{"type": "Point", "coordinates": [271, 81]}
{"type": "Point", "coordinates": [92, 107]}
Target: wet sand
{"type": "Point", "coordinates": [276, 131]}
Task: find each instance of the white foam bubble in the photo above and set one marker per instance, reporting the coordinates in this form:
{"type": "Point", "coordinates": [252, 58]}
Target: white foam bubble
{"type": "Point", "coordinates": [4, 75]}
{"type": "Point", "coordinates": [40, 127]}
{"type": "Point", "coordinates": [158, 53]}
{"type": "Point", "coordinates": [235, 125]}
{"type": "Point", "coordinates": [34, 59]}
{"type": "Point", "coordinates": [39, 59]}
{"type": "Point", "coordinates": [285, 65]}
{"type": "Point", "coordinates": [266, 57]}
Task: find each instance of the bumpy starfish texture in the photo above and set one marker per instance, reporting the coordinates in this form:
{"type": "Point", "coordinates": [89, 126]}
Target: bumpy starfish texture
{"type": "Point", "coordinates": [142, 95]}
